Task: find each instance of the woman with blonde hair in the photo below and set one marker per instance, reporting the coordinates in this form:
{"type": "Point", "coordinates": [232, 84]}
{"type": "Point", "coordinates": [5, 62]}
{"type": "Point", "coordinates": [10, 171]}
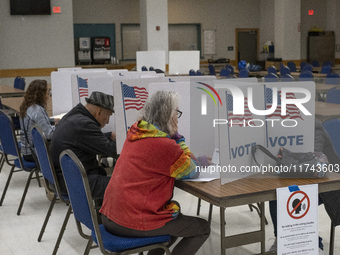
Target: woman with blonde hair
{"type": "Point", "coordinates": [33, 112]}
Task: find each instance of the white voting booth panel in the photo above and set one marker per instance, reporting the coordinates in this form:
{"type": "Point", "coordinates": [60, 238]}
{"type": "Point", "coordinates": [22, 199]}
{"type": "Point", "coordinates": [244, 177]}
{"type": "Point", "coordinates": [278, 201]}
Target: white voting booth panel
{"type": "Point", "coordinates": [130, 96]}
{"type": "Point", "coordinates": [181, 62]}
{"type": "Point", "coordinates": [61, 88]}
{"type": "Point", "coordinates": [222, 82]}
{"type": "Point", "coordinates": [117, 72]}
{"type": "Point", "coordinates": [126, 116]}
{"type": "Point", "coordinates": [203, 135]}
{"type": "Point", "coordinates": [236, 141]}
{"type": "Point", "coordinates": [61, 84]}
{"type": "Point", "coordinates": [90, 82]}
{"type": "Point", "coordinates": [156, 59]}
{"type": "Point", "coordinates": [299, 138]}
{"type": "Point", "coordinates": [83, 85]}
{"type": "Point", "coordinates": [238, 133]}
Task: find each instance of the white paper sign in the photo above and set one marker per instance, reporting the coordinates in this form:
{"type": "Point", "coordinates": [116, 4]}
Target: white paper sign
{"type": "Point", "coordinates": [297, 220]}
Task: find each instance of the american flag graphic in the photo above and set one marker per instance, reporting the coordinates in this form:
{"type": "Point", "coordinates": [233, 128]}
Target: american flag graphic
{"type": "Point", "coordinates": [292, 111]}
{"type": "Point", "coordinates": [83, 87]}
{"type": "Point", "coordinates": [237, 119]}
{"type": "Point", "coordinates": [134, 97]}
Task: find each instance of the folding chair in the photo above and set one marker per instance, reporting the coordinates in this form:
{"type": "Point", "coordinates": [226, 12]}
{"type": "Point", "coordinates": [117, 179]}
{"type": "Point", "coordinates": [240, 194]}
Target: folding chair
{"type": "Point", "coordinates": [272, 69]}
{"type": "Point", "coordinates": [333, 96]}
{"type": "Point", "coordinates": [287, 78]}
{"type": "Point", "coordinates": [50, 177]}
{"type": "Point", "coordinates": [284, 70]}
{"type": "Point", "coordinates": [10, 147]}
{"type": "Point", "coordinates": [271, 77]}
{"type": "Point", "coordinates": [211, 69]}
{"type": "Point", "coordinates": [2, 158]}
{"type": "Point", "coordinates": [306, 76]}
{"type": "Point", "coordinates": [332, 78]}
{"type": "Point", "coordinates": [243, 73]}
{"type": "Point", "coordinates": [19, 83]}
{"type": "Point", "coordinates": [326, 69]}
{"type": "Point", "coordinates": [291, 66]}
{"type": "Point", "coordinates": [307, 67]}
{"type": "Point", "coordinates": [82, 204]}
{"type": "Point", "coordinates": [332, 127]}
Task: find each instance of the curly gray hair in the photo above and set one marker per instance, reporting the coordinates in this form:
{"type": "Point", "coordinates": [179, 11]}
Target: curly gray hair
{"type": "Point", "coordinates": [159, 108]}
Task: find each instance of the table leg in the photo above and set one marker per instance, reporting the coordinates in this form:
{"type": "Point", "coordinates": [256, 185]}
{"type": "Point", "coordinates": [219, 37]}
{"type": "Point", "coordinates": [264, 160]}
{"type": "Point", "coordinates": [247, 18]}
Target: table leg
{"type": "Point", "coordinates": [222, 221]}
{"type": "Point", "coordinates": [263, 232]}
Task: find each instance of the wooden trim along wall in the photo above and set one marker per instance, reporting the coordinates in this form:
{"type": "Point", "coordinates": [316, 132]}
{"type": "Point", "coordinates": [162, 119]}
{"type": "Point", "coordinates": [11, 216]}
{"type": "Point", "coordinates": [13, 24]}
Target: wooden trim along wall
{"type": "Point", "coordinates": [8, 73]}
{"type": "Point", "coordinates": [36, 72]}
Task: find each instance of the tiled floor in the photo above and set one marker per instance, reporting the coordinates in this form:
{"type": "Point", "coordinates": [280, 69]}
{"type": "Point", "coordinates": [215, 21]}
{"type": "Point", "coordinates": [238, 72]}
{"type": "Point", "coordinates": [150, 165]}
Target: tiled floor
{"type": "Point", "coordinates": [18, 234]}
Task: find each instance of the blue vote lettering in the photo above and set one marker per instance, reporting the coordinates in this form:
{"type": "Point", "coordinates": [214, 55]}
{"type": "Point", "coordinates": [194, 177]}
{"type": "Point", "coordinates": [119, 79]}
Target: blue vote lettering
{"type": "Point", "coordinates": [286, 140]}
{"type": "Point", "coordinates": [242, 150]}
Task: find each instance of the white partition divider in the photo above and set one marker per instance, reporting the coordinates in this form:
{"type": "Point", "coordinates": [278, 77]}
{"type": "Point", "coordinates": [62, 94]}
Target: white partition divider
{"type": "Point", "coordinates": [300, 136]}
{"type": "Point", "coordinates": [236, 140]}
{"type": "Point", "coordinates": [61, 88]}
{"type": "Point", "coordinates": [238, 132]}
{"type": "Point", "coordinates": [61, 84]}
{"type": "Point", "coordinates": [130, 96]}
{"type": "Point", "coordinates": [82, 87]}
{"type": "Point", "coordinates": [181, 62]}
{"type": "Point", "coordinates": [203, 136]}
{"type": "Point", "coordinates": [117, 72]}
{"type": "Point", "coordinates": [84, 84]}
{"type": "Point", "coordinates": [156, 59]}
{"type": "Point", "coordinates": [178, 78]}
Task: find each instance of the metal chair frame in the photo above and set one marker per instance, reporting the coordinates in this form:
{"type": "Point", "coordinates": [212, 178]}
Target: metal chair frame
{"type": "Point", "coordinates": [52, 184]}
{"type": "Point", "coordinates": [11, 148]}
{"type": "Point", "coordinates": [69, 161]}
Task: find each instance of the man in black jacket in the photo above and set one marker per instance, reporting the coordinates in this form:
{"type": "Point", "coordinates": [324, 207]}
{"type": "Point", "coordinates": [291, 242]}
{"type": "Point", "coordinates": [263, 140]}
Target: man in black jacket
{"type": "Point", "coordinates": [80, 131]}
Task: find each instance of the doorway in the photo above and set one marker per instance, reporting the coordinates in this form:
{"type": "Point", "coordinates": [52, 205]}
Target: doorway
{"type": "Point", "coordinates": [247, 41]}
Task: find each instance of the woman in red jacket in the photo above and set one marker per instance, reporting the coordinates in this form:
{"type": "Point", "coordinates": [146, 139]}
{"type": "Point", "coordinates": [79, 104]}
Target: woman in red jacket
{"type": "Point", "coordinates": [137, 201]}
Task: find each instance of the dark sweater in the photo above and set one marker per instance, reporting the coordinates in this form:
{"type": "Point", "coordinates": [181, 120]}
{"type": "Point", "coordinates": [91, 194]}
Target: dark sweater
{"type": "Point", "coordinates": [79, 131]}
{"type": "Point", "coordinates": [330, 199]}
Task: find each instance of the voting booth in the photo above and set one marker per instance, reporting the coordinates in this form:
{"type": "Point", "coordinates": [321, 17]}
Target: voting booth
{"type": "Point", "coordinates": [155, 59]}
{"type": "Point", "coordinates": [181, 62]}
{"type": "Point", "coordinates": [131, 95]}
{"type": "Point", "coordinates": [273, 115]}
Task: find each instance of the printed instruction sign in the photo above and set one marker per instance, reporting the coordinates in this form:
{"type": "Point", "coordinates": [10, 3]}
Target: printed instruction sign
{"type": "Point", "coordinates": [297, 220]}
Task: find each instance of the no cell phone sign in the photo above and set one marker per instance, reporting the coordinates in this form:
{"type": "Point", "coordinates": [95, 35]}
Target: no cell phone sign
{"type": "Point", "coordinates": [298, 204]}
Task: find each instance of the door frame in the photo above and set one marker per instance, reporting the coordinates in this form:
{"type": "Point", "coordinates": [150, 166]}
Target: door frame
{"type": "Point", "coordinates": [236, 40]}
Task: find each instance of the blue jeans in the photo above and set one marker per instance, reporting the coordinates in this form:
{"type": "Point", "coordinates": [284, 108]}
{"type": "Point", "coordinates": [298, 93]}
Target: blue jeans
{"type": "Point", "coordinates": [273, 215]}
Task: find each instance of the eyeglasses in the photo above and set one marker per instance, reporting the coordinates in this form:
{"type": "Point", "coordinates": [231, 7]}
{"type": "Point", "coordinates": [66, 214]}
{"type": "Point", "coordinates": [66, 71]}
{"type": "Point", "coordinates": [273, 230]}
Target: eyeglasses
{"type": "Point", "coordinates": [179, 114]}
{"type": "Point", "coordinates": [49, 92]}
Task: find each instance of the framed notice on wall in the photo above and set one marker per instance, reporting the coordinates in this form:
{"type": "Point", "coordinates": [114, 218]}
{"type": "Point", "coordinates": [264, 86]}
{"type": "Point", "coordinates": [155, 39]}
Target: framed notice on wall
{"type": "Point", "coordinates": [209, 42]}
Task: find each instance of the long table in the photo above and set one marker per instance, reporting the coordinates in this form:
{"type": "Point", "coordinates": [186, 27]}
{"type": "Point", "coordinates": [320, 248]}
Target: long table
{"type": "Point", "coordinates": [14, 104]}
{"type": "Point", "coordinates": [247, 191]}
{"type": "Point", "coordinates": [7, 91]}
